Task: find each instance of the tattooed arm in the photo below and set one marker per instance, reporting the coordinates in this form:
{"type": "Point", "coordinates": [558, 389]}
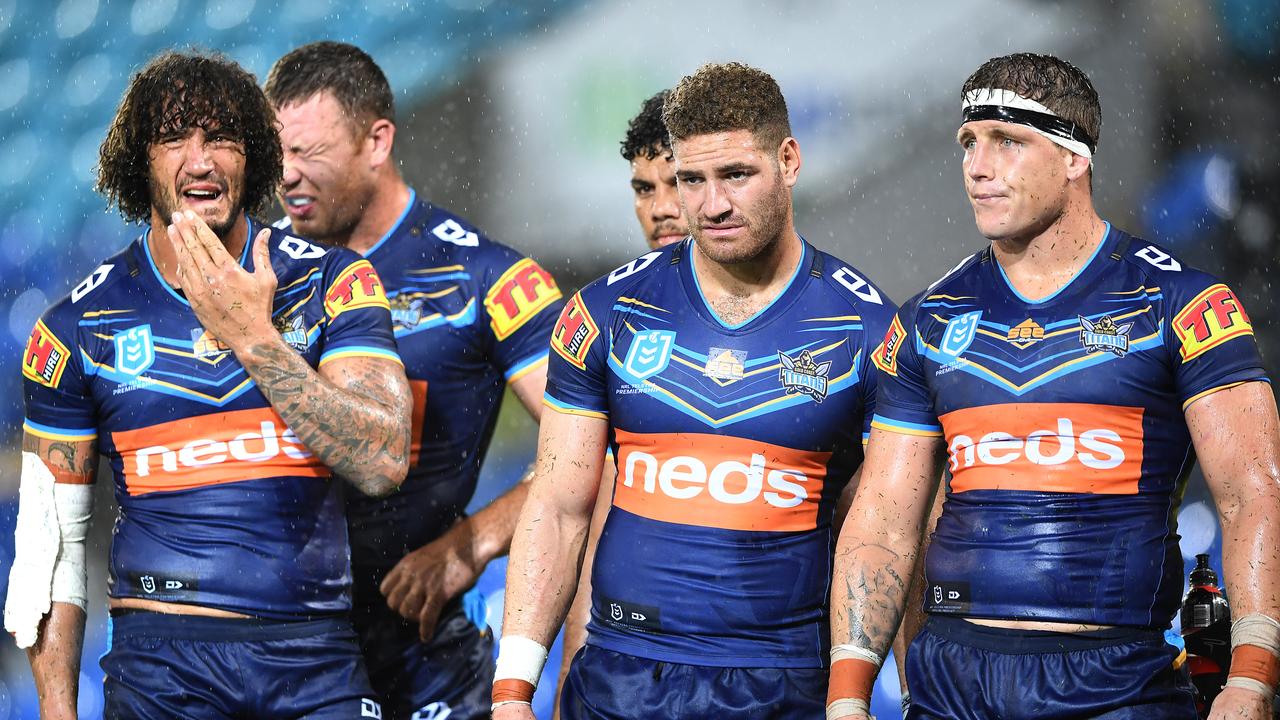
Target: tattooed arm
{"type": "Point", "coordinates": [880, 540]}
{"type": "Point", "coordinates": [354, 414]}
{"type": "Point", "coordinates": [55, 658]}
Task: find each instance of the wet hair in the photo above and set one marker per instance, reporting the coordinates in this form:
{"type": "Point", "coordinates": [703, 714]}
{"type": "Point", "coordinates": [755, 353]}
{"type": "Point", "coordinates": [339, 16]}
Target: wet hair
{"type": "Point", "coordinates": [178, 92]}
{"type": "Point", "coordinates": [1050, 81]}
{"type": "Point", "coordinates": [722, 97]}
{"type": "Point", "coordinates": [646, 133]}
{"type": "Point", "coordinates": [346, 71]}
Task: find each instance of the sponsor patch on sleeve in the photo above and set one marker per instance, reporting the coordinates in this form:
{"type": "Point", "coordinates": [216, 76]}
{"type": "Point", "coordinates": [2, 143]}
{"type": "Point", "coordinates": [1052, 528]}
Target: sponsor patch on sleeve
{"type": "Point", "coordinates": [45, 358]}
{"type": "Point", "coordinates": [358, 286]}
{"type": "Point", "coordinates": [520, 294]}
{"type": "Point", "coordinates": [1210, 319]}
{"type": "Point", "coordinates": [885, 355]}
{"type": "Point", "coordinates": [574, 332]}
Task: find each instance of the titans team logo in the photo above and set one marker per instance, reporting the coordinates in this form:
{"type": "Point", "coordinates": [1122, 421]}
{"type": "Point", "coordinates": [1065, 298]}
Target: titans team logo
{"type": "Point", "coordinates": [1104, 335]}
{"type": "Point", "coordinates": [134, 350]}
{"type": "Point", "coordinates": [407, 309]}
{"type": "Point", "coordinates": [650, 353]}
{"type": "Point", "coordinates": [803, 375]}
{"type": "Point", "coordinates": [293, 331]}
{"type": "Point", "coordinates": [959, 334]}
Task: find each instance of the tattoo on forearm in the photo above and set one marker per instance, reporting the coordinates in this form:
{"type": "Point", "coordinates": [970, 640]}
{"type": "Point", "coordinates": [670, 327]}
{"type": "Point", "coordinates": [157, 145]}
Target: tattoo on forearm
{"type": "Point", "coordinates": [360, 430]}
{"type": "Point", "coordinates": [874, 594]}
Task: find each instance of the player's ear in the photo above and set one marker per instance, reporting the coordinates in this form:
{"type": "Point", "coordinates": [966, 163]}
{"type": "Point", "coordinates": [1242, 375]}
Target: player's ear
{"type": "Point", "coordinates": [1077, 166]}
{"type": "Point", "coordinates": [789, 161]}
{"type": "Point", "coordinates": [382, 135]}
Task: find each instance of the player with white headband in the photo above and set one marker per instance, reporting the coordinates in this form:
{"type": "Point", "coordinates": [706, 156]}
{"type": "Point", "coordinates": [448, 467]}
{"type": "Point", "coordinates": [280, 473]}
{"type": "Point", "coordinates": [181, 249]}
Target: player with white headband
{"type": "Point", "coordinates": [1072, 373]}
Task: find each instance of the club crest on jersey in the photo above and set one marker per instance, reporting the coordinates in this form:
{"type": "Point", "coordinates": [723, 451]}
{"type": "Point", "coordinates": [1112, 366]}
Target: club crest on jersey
{"type": "Point", "coordinates": [650, 353]}
{"type": "Point", "coordinates": [960, 333]}
{"type": "Point", "coordinates": [135, 351]}
{"type": "Point", "coordinates": [1104, 335]}
{"type": "Point", "coordinates": [1025, 334]}
{"type": "Point", "coordinates": [45, 357]}
{"type": "Point", "coordinates": [207, 347]}
{"type": "Point", "coordinates": [406, 309]}
{"type": "Point", "coordinates": [294, 332]}
{"type": "Point", "coordinates": [803, 375]}
{"type": "Point", "coordinates": [725, 364]}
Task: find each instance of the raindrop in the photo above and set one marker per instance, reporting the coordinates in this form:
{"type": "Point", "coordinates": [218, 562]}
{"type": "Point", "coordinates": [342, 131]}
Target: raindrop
{"type": "Point", "coordinates": [224, 14]}
{"type": "Point", "coordinates": [152, 16]}
{"type": "Point", "coordinates": [14, 78]}
{"type": "Point", "coordinates": [86, 79]}
{"type": "Point", "coordinates": [7, 8]}
{"type": "Point", "coordinates": [24, 312]}
{"type": "Point", "coordinates": [18, 157]}
{"type": "Point", "coordinates": [84, 154]}
{"type": "Point", "coordinates": [74, 17]}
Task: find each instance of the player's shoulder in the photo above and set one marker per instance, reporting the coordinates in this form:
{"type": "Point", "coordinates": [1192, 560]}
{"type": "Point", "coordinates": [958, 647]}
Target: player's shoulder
{"type": "Point", "coordinates": [450, 234]}
{"type": "Point", "coordinates": [1161, 266]}
{"type": "Point", "coordinates": [97, 289]}
{"type": "Point", "coordinates": [848, 285]}
{"type": "Point", "coordinates": [631, 277]}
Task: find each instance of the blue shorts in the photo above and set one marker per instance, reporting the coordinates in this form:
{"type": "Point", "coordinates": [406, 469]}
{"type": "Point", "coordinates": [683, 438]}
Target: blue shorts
{"type": "Point", "coordinates": [605, 685]}
{"type": "Point", "coordinates": [961, 671]}
{"type": "Point", "coordinates": [451, 675]}
{"type": "Point", "coordinates": [171, 666]}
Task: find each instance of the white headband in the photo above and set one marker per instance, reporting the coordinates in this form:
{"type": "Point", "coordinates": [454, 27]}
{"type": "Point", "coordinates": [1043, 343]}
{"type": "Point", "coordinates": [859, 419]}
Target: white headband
{"type": "Point", "coordinates": [1067, 134]}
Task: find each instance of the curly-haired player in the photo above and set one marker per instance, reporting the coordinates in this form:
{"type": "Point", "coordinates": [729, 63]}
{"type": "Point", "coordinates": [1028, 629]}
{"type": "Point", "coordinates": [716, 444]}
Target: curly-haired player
{"type": "Point", "coordinates": [226, 371]}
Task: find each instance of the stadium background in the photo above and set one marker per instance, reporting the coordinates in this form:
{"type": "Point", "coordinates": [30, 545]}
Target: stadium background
{"type": "Point", "coordinates": [511, 112]}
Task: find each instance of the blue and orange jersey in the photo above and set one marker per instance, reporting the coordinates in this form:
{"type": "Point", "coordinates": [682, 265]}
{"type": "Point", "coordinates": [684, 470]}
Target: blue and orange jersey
{"type": "Point", "coordinates": [470, 316]}
{"type": "Point", "coordinates": [732, 445]}
{"type": "Point", "coordinates": [1068, 449]}
{"type": "Point", "coordinates": [220, 504]}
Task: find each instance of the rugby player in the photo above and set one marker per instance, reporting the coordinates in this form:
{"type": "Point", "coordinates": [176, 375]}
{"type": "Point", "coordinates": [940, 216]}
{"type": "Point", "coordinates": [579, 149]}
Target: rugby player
{"type": "Point", "coordinates": [729, 374]}
{"type": "Point", "coordinates": [1074, 372]}
{"type": "Point", "coordinates": [647, 148]}
{"type": "Point", "coordinates": [471, 317]}
{"type": "Point", "coordinates": [224, 380]}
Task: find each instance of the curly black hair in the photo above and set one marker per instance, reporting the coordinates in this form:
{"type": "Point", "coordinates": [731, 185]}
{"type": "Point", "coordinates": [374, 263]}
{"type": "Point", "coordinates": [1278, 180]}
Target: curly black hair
{"type": "Point", "coordinates": [180, 91]}
{"type": "Point", "coordinates": [646, 133]}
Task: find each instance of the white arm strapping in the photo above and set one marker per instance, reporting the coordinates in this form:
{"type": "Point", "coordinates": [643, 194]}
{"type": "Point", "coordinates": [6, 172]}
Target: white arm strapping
{"type": "Point", "coordinates": [520, 658]}
{"type": "Point", "coordinates": [48, 562]}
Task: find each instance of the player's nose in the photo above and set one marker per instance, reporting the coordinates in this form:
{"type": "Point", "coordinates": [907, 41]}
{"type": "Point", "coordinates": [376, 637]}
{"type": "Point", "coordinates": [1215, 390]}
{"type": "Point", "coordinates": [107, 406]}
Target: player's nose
{"type": "Point", "coordinates": [666, 204]}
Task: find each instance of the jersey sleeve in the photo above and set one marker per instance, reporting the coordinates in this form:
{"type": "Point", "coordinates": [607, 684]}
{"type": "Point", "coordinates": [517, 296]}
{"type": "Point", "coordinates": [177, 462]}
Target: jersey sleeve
{"type": "Point", "coordinates": [56, 387]}
{"type": "Point", "coordinates": [904, 403]}
{"type": "Point", "coordinates": [577, 380]}
{"type": "Point", "coordinates": [1211, 338]}
{"type": "Point", "coordinates": [521, 303]}
{"type": "Point", "coordinates": [357, 315]}
{"type": "Point", "coordinates": [875, 324]}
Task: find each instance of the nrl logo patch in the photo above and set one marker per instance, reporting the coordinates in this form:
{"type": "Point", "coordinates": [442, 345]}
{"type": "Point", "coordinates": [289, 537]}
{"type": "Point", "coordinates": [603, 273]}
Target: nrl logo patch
{"type": "Point", "coordinates": [293, 331]}
{"type": "Point", "coordinates": [1104, 335]}
{"type": "Point", "coordinates": [803, 375]}
{"type": "Point", "coordinates": [134, 350]}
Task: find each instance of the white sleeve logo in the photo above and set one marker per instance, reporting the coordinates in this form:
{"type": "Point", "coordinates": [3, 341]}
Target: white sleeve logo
{"type": "Point", "coordinates": [300, 249]}
{"type": "Point", "coordinates": [1159, 258]}
{"type": "Point", "coordinates": [633, 267]}
{"type": "Point", "coordinates": [857, 285]}
{"type": "Point", "coordinates": [94, 280]}
{"type": "Point", "coordinates": [451, 231]}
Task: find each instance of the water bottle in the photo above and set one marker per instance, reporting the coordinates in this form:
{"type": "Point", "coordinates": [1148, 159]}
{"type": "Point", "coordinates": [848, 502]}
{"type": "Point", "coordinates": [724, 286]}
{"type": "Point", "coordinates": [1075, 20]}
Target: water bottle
{"type": "Point", "coordinates": [1206, 630]}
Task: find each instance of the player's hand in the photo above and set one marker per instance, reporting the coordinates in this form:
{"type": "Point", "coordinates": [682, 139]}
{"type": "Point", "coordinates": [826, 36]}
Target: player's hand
{"type": "Point", "coordinates": [1235, 703]}
{"type": "Point", "coordinates": [231, 303]}
{"type": "Point", "coordinates": [514, 711]}
{"type": "Point", "coordinates": [424, 580]}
